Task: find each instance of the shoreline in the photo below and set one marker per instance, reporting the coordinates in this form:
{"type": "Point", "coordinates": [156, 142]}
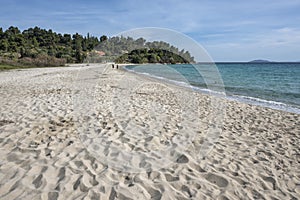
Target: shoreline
{"type": "Point", "coordinates": [98, 133]}
{"type": "Point", "coordinates": [233, 97]}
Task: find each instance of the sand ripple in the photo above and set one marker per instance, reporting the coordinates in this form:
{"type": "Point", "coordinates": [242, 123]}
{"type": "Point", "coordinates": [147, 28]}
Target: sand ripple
{"type": "Point", "coordinates": [45, 155]}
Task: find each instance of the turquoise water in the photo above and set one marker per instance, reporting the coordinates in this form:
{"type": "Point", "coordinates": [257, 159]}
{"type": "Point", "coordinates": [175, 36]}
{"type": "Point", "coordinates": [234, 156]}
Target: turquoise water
{"type": "Point", "coordinates": [275, 85]}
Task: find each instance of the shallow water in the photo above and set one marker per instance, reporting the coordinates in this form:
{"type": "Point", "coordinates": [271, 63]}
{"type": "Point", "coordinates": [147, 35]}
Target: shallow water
{"type": "Point", "coordinates": [275, 85]}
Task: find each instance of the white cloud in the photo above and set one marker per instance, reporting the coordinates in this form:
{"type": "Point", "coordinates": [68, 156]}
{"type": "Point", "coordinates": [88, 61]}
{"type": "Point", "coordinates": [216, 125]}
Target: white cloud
{"type": "Point", "coordinates": [280, 37]}
{"type": "Point", "coordinates": [231, 30]}
{"type": "Point", "coordinates": [278, 45]}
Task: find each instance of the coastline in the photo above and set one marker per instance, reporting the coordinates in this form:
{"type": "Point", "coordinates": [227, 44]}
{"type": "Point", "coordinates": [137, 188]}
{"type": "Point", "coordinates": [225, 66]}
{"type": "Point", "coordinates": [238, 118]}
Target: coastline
{"type": "Point", "coordinates": [45, 154]}
{"type": "Point", "coordinates": [241, 98]}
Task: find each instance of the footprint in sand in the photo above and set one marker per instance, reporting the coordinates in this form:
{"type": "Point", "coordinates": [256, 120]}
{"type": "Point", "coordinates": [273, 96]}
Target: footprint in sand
{"type": "Point", "coordinates": [216, 180]}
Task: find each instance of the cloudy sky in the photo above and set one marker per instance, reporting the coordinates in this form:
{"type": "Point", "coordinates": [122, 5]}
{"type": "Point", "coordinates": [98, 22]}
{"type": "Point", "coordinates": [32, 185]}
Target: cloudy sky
{"type": "Point", "coordinates": [231, 30]}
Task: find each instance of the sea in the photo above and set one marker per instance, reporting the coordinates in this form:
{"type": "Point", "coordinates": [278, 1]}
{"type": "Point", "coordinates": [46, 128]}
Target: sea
{"type": "Point", "coordinates": [273, 85]}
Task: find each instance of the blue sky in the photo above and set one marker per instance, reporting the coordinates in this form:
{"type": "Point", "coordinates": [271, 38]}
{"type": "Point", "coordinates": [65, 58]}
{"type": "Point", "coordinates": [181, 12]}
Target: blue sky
{"type": "Point", "coordinates": [232, 30]}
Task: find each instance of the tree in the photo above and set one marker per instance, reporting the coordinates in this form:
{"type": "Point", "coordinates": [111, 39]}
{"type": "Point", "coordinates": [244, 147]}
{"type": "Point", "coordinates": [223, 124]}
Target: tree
{"type": "Point", "coordinates": [140, 42]}
{"type": "Point", "coordinates": [78, 56]}
{"type": "Point", "coordinates": [103, 38]}
{"type": "Point", "coordinates": [4, 45]}
{"type": "Point", "coordinates": [66, 40]}
{"type": "Point", "coordinates": [35, 42]}
{"type": "Point", "coordinates": [1, 33]}
{"type": "Point", "coordinates": [13, 30]}
{"type": "Point", "coordinates": [51, 51]}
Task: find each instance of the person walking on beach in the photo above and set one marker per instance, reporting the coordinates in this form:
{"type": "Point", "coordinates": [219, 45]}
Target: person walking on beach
{"type": "Point", "coordinates": [113, 66]}
{"type": "Point", "coordinates": [117, 66]}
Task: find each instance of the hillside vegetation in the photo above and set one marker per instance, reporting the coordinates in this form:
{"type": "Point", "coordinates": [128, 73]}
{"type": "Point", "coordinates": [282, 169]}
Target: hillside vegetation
{"type": "Point", "coordinates": [41, 47]}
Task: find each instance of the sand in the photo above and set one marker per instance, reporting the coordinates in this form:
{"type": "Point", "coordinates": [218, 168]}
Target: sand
{"type": "Point", "coordinates": [93, 132]}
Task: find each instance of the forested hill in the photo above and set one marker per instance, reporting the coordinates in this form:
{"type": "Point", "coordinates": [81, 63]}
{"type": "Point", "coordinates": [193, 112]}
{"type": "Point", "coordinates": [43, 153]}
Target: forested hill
{"type": "Point", "coordinates": [129, 50]}
{"type": "Point", "coordinates": [39, 46]}
{"type": "Point", "coordinates": [37, 43]}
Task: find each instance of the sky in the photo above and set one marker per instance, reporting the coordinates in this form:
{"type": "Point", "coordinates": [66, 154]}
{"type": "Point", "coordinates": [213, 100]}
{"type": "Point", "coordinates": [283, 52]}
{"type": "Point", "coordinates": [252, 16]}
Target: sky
{"type": "Point", "coordinates": [231, 30]}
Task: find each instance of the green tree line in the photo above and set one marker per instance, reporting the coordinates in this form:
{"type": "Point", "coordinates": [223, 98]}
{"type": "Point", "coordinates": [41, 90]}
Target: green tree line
{"type": "Point", "coordinates": [43, 47]}
{"type": "Point", "coordinates": [36, 42]}
{"type": "Point", "coordinates": [126, 49]}
{"type": "Point", "coordinates": [152, 55]}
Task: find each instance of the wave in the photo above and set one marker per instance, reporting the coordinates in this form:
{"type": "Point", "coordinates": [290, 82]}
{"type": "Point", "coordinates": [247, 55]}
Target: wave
{"type": "Point", "coordinates": [265, 103]}
{"type": "Point", "coordinates": [240, 98]}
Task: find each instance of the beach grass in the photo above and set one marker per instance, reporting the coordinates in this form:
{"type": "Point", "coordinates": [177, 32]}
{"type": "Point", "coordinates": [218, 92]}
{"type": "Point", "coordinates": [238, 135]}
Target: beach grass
{"type": "Point", "coordinates": [9, 67]}
{"type": "Point", "coordinates": [4, 67]}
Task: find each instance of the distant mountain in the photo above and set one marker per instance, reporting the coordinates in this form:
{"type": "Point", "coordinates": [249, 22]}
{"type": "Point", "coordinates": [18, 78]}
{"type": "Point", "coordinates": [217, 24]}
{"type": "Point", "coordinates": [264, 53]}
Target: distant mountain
{"type": "Point", "coordinates": [260, 61]}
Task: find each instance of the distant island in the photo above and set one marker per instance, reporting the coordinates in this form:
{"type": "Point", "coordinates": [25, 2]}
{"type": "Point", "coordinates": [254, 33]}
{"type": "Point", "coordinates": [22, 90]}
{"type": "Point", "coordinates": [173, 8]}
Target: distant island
{"type": "Point", "coordinates": [260, 61]}
{"type": "Point", "coordinates": [275, 62]}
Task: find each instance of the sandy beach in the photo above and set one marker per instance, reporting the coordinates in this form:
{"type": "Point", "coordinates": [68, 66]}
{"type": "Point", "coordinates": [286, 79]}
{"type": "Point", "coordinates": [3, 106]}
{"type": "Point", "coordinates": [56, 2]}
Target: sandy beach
{"type": "Point", "coordinates": [93, 132]}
